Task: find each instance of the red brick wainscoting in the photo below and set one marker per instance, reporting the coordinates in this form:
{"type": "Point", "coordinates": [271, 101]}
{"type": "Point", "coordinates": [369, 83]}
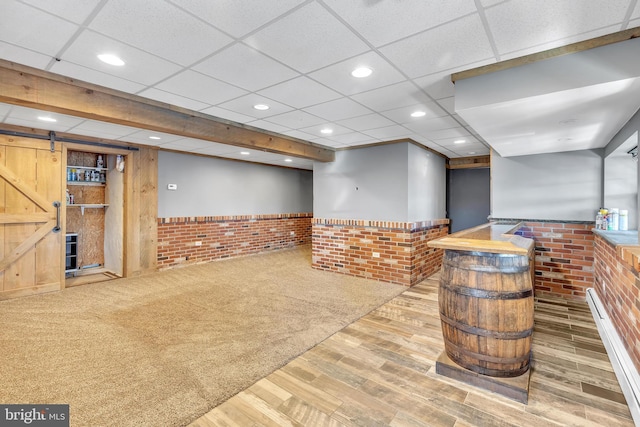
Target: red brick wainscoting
{"type": "Point", "coordinates": [187, 240]}
{"type": "Point", "coordinates": [564, 257]}
{"type": "Point", "coordinates": [617, 283]}
{"type": "Point", "coordinates": [395, 252]}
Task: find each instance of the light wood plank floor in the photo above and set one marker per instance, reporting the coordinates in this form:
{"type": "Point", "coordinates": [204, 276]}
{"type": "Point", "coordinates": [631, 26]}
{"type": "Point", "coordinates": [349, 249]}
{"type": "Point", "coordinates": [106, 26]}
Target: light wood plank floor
{"type": "Point", "coordinates": [380, 371]}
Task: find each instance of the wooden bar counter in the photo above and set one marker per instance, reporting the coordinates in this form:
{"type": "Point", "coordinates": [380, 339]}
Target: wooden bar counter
{"type": "Point", "coordinates": [486, 308]}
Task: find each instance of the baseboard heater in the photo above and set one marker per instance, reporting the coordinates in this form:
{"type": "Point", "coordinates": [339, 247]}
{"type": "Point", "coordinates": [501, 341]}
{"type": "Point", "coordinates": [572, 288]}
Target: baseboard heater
{"type": "Point", "coordinates": [625, 371]}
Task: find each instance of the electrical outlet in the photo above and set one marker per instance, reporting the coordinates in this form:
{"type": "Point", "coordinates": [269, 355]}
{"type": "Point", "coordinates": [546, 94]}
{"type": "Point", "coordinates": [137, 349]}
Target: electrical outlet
{"type": "Point", "coordinates": [375, 254]}
{"type": "Point", "coordinates": [198, 243]}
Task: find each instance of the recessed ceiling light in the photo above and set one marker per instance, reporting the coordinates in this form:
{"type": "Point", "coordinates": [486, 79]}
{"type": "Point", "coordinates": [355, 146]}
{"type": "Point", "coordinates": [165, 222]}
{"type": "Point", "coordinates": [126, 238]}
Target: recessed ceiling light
{"type": "Point", "coordinates": [154, 137]}
{"type": "Point", "coordinates": [361, 72]}
{"type": "Point", "coordinates": [564, 139]}
{"type": "Point", "coordinates": [326, 131]}
{"type": "Point", "coordinates": [47, 119]}
{"type": "Point", "coordinates": [471, 152]}
{"type": "Point", "coordinates": [261, 107]}
{"type": "Point", "coordinates": [111, 59]}
{"type": "Point", "coordinates": [245, 153]}
{"type": "Point", "coordinates": [418, 114]}
{"type": "Point", "coordinates": [288, 160]}
{"type": "Point", "coordinates": [567, 121]}
{"type": "Point", "coordinates": [459, 141]}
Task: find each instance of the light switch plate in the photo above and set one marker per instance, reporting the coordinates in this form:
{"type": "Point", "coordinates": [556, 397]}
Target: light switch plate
{"type": "Point", "coordinates": [172, 186]}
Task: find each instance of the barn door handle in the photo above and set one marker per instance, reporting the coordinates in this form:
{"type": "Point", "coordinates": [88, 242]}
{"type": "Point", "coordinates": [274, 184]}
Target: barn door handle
{"type": "Point", "coordinates": [56, 229]}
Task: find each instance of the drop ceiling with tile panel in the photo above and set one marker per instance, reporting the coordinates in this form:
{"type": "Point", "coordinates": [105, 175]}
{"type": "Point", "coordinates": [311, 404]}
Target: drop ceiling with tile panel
{"type": "Point", "coordinates": [222, 58]}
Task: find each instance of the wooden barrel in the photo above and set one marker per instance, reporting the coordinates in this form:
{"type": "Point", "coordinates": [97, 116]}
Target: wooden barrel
{"type": "Point", "coordinates": [486, 311]}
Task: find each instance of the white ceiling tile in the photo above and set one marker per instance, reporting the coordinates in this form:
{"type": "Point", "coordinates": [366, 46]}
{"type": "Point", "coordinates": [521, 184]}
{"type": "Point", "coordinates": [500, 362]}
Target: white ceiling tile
{"type": "Point", "coordinates": [142, 137]}
{"type": "Point", "coordinates": [79, 72]}
{"type": "Point", "coordinates": [23, 56]}
{"type": "Point", "coordinates": [559, 43]}
{"type": "Point", "coordinates": [296, 119]}
{"type": "Point", "coordinates": [300, 135]}
{"type": "Point", "coordinates": [72, 10]}
{"type": "Point", "coordinates": [370, 121]}
{"type": "Point", "coordinates": [452, 133]}
{"type": "Point", "coordinates": [329, 143]}
{"type": "Point", "coordinates": [361, 143]}
{"type": "Point", "coordinates": [448, 104]}
{"type": "Point", "coordinates": [244, 105]}
{"type": "Point", "coordinates": [170, 98]}
{"type": "Point", "coordinates": [389, 132]}
{"type": "Point", "coordinates": [339, 109]}
{"type": "Point", "coordinates": [30, 28]}
{"type": "Point", "coordinates": [103, 130]}
{"type": "Point", "coordinates": [403, 114]}
{"type": "Point", "coordinates": [520, 24]}
{"type": "Point", "coordinates": [139, 66]}
{"type": "Point", "coordinates": [238, 17]}
{"type": "Point", "coordinates": [460, 42]}
{"type": "Point", "coordinates": [200, 87]}
{"type": "Point", "coordinates": [159, 28]}
{"type": "Point", "coordinates": [382, 22]}
{"type": "Point", "coordinates": [353, 138]}
{"type": "Point", "coordinates": [245, 67]}
{"type": "Point", "coordinates": [227, 115]}
{"type": "Point", "coordinates": [395, 96]}
{"type": "Point", "coordinates": [28, 117]}
{"type": "Point", "coordinates": [316, 130]}
{"type": "Point", "coordinates": [217, 149]}
{"type": "Point", "coordinates": [272, 127]}
{"type": "Point", "coordinates": [339, 78]}
{"type": "Point", "coordinates": [451, 142]}
{"type": "Point", "coordinates": [431, 125]}
{"type": "Point", "coordinates": [300, 39]}
{"type": "Point", "coordinates": [300, 92]}
{"type": "Point", "coordinates": [439, 85]}
{"type": "Point", "coordinates": [489, 3]}
{"type": "Point", "coordinates": [4, 110]}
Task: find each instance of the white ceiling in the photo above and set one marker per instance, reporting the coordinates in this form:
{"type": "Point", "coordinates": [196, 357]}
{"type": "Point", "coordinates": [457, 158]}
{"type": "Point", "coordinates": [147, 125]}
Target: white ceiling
{"type": "Point", "coordinates": [223, 57]}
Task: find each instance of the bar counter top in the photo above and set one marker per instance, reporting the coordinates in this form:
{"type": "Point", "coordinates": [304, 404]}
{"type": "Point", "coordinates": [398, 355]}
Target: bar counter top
{"type": "Point", "coordinates": [493, 237]}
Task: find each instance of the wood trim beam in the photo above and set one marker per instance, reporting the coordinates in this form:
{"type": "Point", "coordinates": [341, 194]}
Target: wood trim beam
{"type": "Point", "coordinates": [619, 36]}
{"type": "Point", "coordinates": [30, 87]}
{"type": "Point", "coordinates": [469, 162]}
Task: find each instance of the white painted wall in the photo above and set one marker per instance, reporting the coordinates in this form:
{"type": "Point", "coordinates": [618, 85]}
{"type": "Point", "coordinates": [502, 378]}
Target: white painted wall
{"type": "Point", "coordinates": [427, 195]}
{"type": "Point", "coordinates": [366, 183]}
{"type": "Point", "coordinates": [216, 187]}
{"type": "Point", "coordinates": [559, 186]}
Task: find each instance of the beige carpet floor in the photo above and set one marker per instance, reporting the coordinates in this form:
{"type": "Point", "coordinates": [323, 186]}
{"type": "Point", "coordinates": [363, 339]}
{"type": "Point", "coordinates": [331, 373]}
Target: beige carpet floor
{"type": "Point", "coordinates": [163, 349]}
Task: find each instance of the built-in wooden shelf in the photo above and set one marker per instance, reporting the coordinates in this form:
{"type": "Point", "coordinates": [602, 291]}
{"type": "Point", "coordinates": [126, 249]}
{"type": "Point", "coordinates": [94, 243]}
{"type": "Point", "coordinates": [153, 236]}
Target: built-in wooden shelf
{"type": "Point", "coordinates": [94, 183]}
{"type": "Point", "coordinates": [84, 206]}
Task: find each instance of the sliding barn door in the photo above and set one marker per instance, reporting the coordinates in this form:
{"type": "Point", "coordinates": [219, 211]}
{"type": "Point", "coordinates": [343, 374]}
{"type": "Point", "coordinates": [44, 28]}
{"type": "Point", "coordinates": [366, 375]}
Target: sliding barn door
{"type": "Point", "coordinates": [30, 242]}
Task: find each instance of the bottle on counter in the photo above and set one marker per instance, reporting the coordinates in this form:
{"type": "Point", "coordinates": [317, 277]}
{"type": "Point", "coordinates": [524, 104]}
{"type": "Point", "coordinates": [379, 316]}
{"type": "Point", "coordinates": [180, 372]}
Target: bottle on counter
{"type": "Point", "coordinates": [99, 162]}
{"type": "Point", "coordinates": [605, 219]}
{"type": "Point", "coordinates": [624, 220]}
{"type": "Point", "coordinates": [614, 222]}
{"type": "Point", "coordinates": [599, 219]}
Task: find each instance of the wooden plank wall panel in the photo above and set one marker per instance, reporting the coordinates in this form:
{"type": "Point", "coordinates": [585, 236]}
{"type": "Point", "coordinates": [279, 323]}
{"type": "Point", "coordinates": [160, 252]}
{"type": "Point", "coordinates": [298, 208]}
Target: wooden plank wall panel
{"type": "Point", "coordinates": [142, 209]}
{"type": "Point", "coordinates": [20, 274]}
{"type": "Point", "coordinates": [49, 186]}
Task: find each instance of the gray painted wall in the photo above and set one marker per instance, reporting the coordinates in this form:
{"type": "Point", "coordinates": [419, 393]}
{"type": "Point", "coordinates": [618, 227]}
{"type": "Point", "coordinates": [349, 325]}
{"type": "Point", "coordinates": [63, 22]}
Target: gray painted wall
{"type": "Point", "coordinates": [559, 186]}
{"type": "Point", "coordinates": [367, 183]}
{"type": "Point", "coordinates": [395, 182]}
{"type": "Point", "coordinates": [626, 138]}
{"type": "Point", "coordinates": [469, 201]}
{"type": "Point", "coordinates": [215, 187]}
{"type": "Point", "coordinates": [427, 185]}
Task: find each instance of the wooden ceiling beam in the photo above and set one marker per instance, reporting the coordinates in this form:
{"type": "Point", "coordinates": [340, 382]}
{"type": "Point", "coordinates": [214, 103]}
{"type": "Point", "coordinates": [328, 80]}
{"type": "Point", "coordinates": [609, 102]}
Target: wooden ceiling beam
{"type": "Point", "coordinates": [30, 87]}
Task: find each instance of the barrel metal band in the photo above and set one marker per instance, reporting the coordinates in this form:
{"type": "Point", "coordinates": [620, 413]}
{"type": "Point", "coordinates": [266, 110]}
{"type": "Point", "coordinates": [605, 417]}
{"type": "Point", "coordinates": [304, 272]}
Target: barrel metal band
{"type": "Point", "coordinates": [484, 294]}
{"type": "Point", "coordinates": [486, 358]}
{"type": "Point", "coordinates": [488, 268]}
{"type": "Point", "coordinates": [473, 330]}
{"type": "Point", "coordinates": [490, 372]}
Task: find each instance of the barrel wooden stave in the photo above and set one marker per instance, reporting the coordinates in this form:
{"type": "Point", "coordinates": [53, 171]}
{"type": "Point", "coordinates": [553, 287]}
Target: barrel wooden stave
{"type": "Point", "coordinates": [486, 311]}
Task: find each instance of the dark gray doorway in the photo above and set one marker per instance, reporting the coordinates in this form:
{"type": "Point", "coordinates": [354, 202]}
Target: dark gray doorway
{"type": "Point", "coordinates": [468, 197]}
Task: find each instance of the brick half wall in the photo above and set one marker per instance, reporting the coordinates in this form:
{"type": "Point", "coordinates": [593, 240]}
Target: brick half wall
{"type": "Point", "coordinates": [617, 283]}
{"type": "Point", "coordinates": [394, 252]}
{"type": "Point", "coordinates": [190, 240]}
